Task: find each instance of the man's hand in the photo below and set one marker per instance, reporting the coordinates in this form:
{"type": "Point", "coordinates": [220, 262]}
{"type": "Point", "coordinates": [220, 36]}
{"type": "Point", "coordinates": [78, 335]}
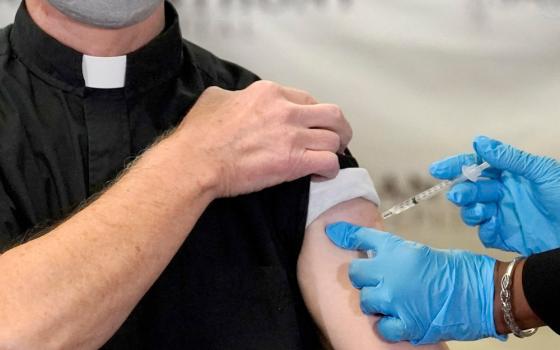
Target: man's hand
{"type": "Point", "coordinates": [518, 207]}
{"type": "Point", "coordinates": [423, 295]}
{"type": "Point", "coordinates": [262, 136]}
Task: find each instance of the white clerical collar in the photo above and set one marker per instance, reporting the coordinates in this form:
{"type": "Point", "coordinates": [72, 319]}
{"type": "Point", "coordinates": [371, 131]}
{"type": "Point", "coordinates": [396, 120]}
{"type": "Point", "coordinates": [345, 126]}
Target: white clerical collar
{"type": "Point", "coordinates": [104, 72]}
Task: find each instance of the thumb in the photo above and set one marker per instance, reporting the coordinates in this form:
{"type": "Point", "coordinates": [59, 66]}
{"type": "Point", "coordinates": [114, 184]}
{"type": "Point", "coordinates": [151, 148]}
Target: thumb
{"type": "Point", "coordinates": [354, 237]}
{"type": "Point", "coordinates": [505, 157]}
{"type": "Point", "coordinates": [393, 329]}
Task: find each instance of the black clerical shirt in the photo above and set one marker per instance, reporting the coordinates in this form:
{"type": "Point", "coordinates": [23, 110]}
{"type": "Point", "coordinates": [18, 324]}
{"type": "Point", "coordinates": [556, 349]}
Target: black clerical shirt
{"type": "Point", "coordinates": [233, 284]}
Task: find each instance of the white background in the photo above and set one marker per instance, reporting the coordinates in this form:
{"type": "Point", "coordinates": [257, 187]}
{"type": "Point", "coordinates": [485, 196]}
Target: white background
{"type": "Point", "coordinates": [417, 79]}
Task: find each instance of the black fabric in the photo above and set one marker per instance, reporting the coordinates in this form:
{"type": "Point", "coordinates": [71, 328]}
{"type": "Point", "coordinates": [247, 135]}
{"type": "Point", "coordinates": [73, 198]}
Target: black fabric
{"type": "Point", "coordinates": [232, 285]}
{"type": "Point", "coordinates": [541, 284]}
{"type": "Point", "coordinates": [346, 160]}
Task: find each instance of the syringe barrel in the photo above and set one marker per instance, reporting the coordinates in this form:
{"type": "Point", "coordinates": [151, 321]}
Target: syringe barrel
{"type": "Point", "coordinates": [433, 191]}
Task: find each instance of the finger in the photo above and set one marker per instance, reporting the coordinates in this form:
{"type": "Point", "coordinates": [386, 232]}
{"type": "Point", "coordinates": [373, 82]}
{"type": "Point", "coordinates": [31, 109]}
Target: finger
{"type": "Point", "coordinates": [487, 233]}
{"type": "Point", "coordinates": [353, 237]}
{"type": "Point", "coordinates": [478, 213]}
{"type": "Point", "coordinates": [328, 117]}
{"type": "Point", "coordinates": [491, 173]}
{"type": "Point", "coordinates": [374, 301]}
{"type": "Point", "coordinates": [320, 140]}
{"type": "Point", "coordinates": [506, 157]}
{"type": "Point", "coordinates": [321, 163]}
{"type": "Point", "coordinates": [363, 273]}
{"type": "Point", "coordinates": [450, 168]}
{"type": "Point", "coordinates": [393, 329]}
{"type": "Point", "coordinates": [297, 96]}
{"type": "Point", "coordinates": [468, 193]}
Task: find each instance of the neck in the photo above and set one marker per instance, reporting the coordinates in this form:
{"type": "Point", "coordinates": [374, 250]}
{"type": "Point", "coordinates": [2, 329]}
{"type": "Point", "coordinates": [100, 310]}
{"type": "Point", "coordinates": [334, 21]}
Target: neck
{"type": "Point", "coordinates": [91, 40]}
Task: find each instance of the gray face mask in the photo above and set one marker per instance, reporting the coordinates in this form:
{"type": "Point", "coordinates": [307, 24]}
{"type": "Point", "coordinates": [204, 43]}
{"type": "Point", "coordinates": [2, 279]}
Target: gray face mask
{"type": "Point", "coordinates": [107, 13]}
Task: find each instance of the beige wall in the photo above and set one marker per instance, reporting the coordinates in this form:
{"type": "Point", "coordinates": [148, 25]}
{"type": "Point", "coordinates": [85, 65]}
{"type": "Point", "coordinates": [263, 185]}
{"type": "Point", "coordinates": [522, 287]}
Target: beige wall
{"type": "Point", "coordinates": [417, 79]}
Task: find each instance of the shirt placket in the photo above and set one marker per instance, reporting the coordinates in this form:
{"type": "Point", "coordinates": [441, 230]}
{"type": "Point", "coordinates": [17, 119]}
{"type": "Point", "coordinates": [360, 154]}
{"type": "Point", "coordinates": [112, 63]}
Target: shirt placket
{"type": "Point", "coordinates": [109, 149]}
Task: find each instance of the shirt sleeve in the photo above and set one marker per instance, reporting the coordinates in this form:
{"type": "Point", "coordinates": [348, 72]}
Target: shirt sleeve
{"type": "Point", "coordinates": [352, 182]}
{"type": "Point", "coordinates": [9, 227]}
{"type": "Point", "coordinates": [541, 283]}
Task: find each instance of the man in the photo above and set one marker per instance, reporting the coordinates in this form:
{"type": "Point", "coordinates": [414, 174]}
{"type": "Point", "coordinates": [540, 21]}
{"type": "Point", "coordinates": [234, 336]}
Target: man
{"type": "Point", "coordinates": [85, 88]}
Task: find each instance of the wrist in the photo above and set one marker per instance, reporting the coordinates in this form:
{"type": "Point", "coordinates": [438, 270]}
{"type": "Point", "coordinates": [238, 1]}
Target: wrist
{"type": "Point", "coordinates": [499, 322]}
{"type": "Point", "coordinates": [180, 169]}
{"type": "Point", "coordinates": [522, 312]}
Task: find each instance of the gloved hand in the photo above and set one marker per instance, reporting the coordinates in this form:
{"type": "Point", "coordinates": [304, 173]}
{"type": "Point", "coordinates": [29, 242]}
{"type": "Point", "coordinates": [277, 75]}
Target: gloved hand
{"type": "Point", "coordinates": [424, 295]}
{"type": "Point", "coordinates": [518, 208]}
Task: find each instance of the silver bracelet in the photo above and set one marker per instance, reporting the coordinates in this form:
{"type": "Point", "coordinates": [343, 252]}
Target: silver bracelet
{"type": "Point", "coordinates": [505, 297]}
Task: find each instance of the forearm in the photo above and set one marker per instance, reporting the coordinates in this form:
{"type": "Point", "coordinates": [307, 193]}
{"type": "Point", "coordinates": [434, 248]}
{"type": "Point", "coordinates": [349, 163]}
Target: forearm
{"type": "Point", "coordinates": [73, 287]}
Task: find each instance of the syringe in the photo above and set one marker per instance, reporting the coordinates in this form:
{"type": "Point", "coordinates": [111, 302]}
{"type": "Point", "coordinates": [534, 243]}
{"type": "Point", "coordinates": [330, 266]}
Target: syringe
{"type": "Point", "coordinates": [471, 173]}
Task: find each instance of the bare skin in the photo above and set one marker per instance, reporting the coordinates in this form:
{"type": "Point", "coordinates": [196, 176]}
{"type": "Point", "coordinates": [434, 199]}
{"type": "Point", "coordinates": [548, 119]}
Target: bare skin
{"type": "Point", "coordinates": [328, 293]}
{"type": "Point", "coordinates": [73, 287]}
{"type": "Point", "coordinates": [524, 315]}
{"type": "Point", "coordinates": [101, 261]}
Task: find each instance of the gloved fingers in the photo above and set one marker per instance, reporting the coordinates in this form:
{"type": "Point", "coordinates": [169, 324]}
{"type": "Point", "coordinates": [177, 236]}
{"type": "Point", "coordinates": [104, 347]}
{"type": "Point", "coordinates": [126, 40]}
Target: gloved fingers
{"type": "Point", "coordinates": [362, 273]}
{"type": "Point", "coordinates": [373, 301]}
{"type": "Point", "coordinates": [468, 193]}
{"type": "Point", "coordinates": [492, 173]}
{"type": "Point", "coordinates": [488, 233]}
{"type": "Point", "coordinates": [478, 213]}
{"type": "Point", "coordinates": [393, 329]}
{"type": "Point", "coordinates": [354, 237]}
{"type": "Point", "coordinates": [506, 157]}
{"type": "Point", "coordinates": [450, 168]}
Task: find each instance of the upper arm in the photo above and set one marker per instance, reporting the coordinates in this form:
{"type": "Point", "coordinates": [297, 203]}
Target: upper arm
{"type": "Point", "coordinates": [326, 288]}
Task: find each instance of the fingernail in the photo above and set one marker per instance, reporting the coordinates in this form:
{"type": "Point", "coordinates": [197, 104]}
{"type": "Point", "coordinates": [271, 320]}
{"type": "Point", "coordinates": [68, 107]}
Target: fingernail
{"type": "Point", "coordinates": [478, 211]}
{"type": "Point", "coordinates": [434, 168]}
{"type": "Point", "coordinates": [454, 196]}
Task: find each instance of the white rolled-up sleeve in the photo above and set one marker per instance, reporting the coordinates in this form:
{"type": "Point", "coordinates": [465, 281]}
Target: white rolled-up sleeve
{"type": "Point", "coordinates": [350, 183]}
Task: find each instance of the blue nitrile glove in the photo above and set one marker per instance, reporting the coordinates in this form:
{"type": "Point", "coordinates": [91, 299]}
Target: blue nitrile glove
{"type": "Point", "coordinates": [424, 295]}
{"type": "Point", "coordinates": [518, 208]}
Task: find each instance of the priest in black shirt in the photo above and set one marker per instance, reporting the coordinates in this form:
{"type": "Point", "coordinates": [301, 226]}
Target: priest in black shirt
{"type": "Point", "coordinates": [202, 242]}
{"type": "Point", "coordinates": [71, 121]}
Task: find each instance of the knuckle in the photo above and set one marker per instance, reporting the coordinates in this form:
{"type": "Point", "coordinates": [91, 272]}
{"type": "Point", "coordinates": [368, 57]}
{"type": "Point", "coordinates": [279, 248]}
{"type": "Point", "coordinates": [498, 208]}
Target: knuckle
{"type": "Point", "coordinates": [364, 301]}
{"type": "Point", "coordinates": [386, 296]}
{"type": "Point", "coordinates": [258, 84]}
{"type": "Point", "coordinates": [333, 161]}
{"type": "Point", "coordinates": [287, 140]}
{"type": "Point", "coordinates": [333, 166]}
{"type": "Point", "coordinates": [353, 271]}
{"type": "Point", "coordinates": [266, 85]}
{"type": "Point", "coordinates": [287, 112]}
{"type": "Point", "coordinates": [335, 111]}
{"type": "Point", "coordinates": [335, 141]}
{"type": "Point", "coordinates": [350, 133]}
{"type": "Point", "coordinates": [292, 136]}
{"type": "Point", "coordinates": [356, 278]}
{"type": "Point", "coordinates": [312, 100]}
{"type": "Point", "coordinates": [212, 90]}
{"type": "Point", "coordinates": [308, 98]}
